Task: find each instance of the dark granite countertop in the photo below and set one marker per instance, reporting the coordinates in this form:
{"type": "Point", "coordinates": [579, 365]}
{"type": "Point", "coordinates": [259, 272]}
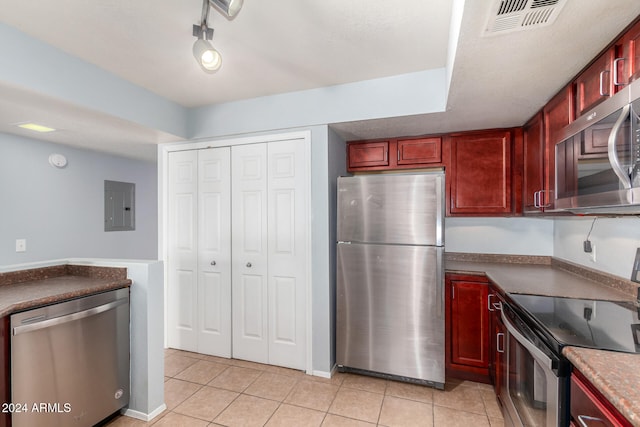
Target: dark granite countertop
{"type": "Point", "coordinates": [542, 276]}
{"type": "Point", "coordinates": [24, 289]}
{"type": "Point", "coordinates": [615, 375]}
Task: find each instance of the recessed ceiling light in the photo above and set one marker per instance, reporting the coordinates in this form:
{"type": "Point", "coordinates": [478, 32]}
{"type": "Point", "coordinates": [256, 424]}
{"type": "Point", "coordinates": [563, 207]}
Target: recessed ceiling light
{"type": "Point", "coordinates": [35, 127]}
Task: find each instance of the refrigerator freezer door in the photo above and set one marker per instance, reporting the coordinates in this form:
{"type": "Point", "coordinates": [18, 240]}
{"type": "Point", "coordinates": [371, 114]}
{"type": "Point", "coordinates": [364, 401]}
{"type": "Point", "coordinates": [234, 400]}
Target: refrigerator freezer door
{"type": "Point", "coordinates": [398, 209]}
{"type": "Point", "coordinates": [390, 310]}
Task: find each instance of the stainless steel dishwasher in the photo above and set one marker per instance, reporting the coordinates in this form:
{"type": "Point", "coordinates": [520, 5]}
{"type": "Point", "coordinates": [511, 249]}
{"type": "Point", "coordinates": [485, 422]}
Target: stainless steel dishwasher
{"type": "Point", "coordinates": [70, 361]}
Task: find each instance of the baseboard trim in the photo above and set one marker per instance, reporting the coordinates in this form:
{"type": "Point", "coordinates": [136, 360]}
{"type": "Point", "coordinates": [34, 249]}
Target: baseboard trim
{"type": "Point", "coordinates": [142, 416]}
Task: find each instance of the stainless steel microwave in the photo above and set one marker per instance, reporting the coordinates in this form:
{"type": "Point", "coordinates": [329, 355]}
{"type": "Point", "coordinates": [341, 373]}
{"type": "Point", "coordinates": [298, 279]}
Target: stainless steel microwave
{"type": "Point", "coordinates": [598, 158]}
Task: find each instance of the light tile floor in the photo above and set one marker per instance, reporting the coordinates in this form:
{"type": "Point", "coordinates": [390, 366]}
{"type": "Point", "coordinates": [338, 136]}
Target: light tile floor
{"type": "Point", "coordinates": [204, 391]}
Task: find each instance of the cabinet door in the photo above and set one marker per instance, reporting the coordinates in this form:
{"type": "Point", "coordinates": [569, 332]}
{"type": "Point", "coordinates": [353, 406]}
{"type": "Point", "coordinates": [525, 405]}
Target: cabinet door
{"type": "Point", "coordinates": [182, 262]}
{"type": "Point", "coordinates": [595, 84]}
{"type": "Point", "coordinates": [288, 219]}
{"type": "Point", "coordinates": [5, 385]}
{"type": "Point", "coordinates": [480, 174]}
{"type": "Point", "coordinates": [588, 405]}
{"type": "Point", "coordinates": [630, 47]}
{"type": "Point", "coordinates": [469, 324]}
{"type": "Point", "coordinates": [214, 252]}
{"type": "Point", "coordinates": [498, 352]}
{"type": "Point", "coordinates": [533, 164]}
{"type": "Point", "coordinates": [249, 252]}
{"type": "Point", "coordinates": [368, 154]}
{"type": "Point", "coordinates": [558, 113]}
{"type": "Point", "coordinates": [419, 151]}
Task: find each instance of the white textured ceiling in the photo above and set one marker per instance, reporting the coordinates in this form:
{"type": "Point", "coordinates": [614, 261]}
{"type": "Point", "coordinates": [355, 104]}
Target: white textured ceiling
{"type": "Point", "coordinates": [291, 45]}
{"type": "Point", "coordinates": [270, 47]}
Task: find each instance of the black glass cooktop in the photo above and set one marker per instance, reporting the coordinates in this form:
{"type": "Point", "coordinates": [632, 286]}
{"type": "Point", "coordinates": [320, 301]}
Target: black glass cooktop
{"type": "Point", "coordinates": [606, 325]}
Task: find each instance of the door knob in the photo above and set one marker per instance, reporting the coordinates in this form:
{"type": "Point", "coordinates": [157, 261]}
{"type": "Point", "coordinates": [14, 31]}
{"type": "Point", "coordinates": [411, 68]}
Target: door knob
{"type": "Point", "coordinates": [249, 265]}
{"type": "Point", "coordinates": [213, 263]}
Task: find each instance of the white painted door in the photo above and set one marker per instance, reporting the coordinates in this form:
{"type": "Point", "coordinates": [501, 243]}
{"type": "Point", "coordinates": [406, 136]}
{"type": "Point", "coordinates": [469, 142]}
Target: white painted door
{"type": "Point", "coordinates": [238, 251]}
{"type": "Point", "coordinates": [249, 252]}
{"type": "Point", "coordinates": [214, 252]}
{"type": "Point", "coordinates": [288, 192]}
{"type": "Point", "coordinates": [182, 257]}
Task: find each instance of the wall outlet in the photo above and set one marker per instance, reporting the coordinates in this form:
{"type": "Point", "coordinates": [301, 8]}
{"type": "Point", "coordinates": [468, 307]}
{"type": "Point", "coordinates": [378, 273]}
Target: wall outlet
{"type": "Point", "coordinates": [21, 245]}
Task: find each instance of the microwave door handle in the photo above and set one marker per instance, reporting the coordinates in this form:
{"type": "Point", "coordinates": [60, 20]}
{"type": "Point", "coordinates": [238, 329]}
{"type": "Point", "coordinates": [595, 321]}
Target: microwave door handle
{"type": "Point", "coordinates": [613, 154]}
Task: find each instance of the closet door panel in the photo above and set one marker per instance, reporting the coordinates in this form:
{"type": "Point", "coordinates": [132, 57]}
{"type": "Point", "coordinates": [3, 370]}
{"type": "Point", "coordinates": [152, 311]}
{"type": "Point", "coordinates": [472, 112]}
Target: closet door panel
{"type": "Point", "coordinates": [251, 293]}
{"type": "Point", "coordinates": [288, 220]}
{"type": "Point", "coordinates": [182, 252]}
{"type": "Point", "coordinates": [214, 252]}
{"type": "Point", "coordinates": [249, 250]}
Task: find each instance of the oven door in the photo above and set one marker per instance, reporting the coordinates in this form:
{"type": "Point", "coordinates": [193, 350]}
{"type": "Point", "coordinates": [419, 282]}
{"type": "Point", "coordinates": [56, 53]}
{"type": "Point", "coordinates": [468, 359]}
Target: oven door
{"type": "Point", "coordinates": [533, 395]}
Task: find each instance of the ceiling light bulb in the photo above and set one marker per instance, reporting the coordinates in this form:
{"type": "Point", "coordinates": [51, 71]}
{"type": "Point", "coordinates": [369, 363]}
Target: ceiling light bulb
{"type": "Point", "coordinates": [35, 127]}
{"type": "Point", "coordinates": [209, 59]}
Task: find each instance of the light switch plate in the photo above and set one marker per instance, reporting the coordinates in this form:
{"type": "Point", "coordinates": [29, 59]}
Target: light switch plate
{"type": "Point", "coordinates": [635, 272]}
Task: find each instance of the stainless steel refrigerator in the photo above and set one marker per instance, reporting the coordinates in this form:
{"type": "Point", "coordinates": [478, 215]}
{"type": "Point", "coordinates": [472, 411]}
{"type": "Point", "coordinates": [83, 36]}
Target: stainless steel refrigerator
{"type": "Point", "coordinates": [390, 280]}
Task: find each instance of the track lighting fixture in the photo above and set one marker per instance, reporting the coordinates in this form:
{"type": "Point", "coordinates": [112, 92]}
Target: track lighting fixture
{"type": "Point", "coordinates": [208, 58]}
{"type": "Point", "coordinates": [229, 8]}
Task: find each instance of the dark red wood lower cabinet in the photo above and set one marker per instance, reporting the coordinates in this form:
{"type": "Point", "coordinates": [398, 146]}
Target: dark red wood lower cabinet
{"type": "Point", "coordinates": [5, 385]}
{"type": "Point", "coordinates": [590, 407]}
{"type": "Point", "coordinates": [467, 327]}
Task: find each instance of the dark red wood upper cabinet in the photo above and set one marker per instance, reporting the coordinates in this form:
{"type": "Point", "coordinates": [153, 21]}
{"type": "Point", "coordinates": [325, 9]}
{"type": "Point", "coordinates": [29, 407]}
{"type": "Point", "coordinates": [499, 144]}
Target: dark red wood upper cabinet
{"type": "Point", "coordinates": [595, 84]}
{"type": "Point", "coordinates": [419, 151]}
{"type": "Point", "coordinates": [368, 154]}
{"type": "Point", "coordinates": [533, 175]}
{"type": "Point", "coordinates": [479, 173]}
{"type": "Point", "coordinates": [628, 56]}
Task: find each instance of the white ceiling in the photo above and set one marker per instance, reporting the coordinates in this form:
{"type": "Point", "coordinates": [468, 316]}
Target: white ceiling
{"type": "Point", "coordinates": [291, 45]}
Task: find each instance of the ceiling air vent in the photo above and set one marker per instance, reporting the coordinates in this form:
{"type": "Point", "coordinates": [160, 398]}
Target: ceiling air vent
{"type": "Point", "coordinates": [516, 15]}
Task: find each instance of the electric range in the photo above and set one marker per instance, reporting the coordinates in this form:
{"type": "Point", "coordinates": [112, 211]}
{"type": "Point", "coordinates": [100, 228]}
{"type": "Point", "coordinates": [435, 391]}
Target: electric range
{"type": "Point", "coordinates": [600, 324]}
{"type": "Point", "coordinates": [534, 375]}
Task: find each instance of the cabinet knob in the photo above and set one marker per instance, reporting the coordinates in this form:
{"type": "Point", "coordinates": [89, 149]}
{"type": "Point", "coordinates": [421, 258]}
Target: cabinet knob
{"type": "Point", "coordinates": [248, 265]}
{"type": "Point", "coordinates": [213, 263]}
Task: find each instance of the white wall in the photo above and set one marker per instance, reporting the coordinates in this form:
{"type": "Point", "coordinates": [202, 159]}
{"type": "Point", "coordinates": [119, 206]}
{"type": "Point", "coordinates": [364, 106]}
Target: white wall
{"type": "Point", "coordinates": [513, 236]}
{"type": "Point", "coordinates": [615, 239]}
{"type": "Point", "coordinates": [72, 80]}
{"type": "Point", "coordinates": [402, 95]}
{"type": "Point", "coordinates": [60, 212]}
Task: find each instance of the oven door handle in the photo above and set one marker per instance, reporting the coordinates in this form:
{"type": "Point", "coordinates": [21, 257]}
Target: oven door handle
{"type": "Point", "coordinates": [535, 351]}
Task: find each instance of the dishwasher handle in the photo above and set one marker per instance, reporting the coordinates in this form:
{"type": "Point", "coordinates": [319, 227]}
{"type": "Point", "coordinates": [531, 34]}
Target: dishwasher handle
{"type": "Point", "coordinates": [69, 317]}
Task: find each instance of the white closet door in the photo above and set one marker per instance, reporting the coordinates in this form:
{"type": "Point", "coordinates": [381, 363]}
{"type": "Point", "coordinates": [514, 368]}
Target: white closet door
{"type": "Point", "coordinates": [214, 252]}
{"type": "Point", "coordinates": [287, 248]}
{"type": "Point", "coordinates": [249, 252]}
{"type": "Point", "coordinates": [182, 251]}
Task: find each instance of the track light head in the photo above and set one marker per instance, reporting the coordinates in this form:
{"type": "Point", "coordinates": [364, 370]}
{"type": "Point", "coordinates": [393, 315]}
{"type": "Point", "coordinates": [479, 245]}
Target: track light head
{"type": "Point", "coordinates": [208, 58]}
{"type": "Point", "coordinates": [229, 8]}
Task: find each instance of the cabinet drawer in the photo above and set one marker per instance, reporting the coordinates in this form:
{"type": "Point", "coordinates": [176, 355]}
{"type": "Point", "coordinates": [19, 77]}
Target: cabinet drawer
{"type": "Point", "coordinates": [588, 407]}
{"type": "Point", "coordinates": [419, 151]}
{"type": "Point", "coordinates": [362, 155]}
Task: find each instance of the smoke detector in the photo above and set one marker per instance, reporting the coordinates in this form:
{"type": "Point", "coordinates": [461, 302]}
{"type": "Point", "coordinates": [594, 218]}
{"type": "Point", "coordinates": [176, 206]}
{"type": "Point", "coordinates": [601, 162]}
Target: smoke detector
{"type": "Point", "coordinates": [517, 15]}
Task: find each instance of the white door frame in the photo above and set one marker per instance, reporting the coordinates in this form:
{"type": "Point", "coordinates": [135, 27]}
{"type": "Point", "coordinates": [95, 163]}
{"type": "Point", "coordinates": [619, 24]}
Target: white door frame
{"type": "Point", "coordinates": [163, 226]}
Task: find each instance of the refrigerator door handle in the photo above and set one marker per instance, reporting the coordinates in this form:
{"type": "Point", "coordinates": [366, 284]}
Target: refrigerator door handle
{"type": "Point", "coordinates": [440, 211]}
{"type": "Point", "coordinates": [440, 284]}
